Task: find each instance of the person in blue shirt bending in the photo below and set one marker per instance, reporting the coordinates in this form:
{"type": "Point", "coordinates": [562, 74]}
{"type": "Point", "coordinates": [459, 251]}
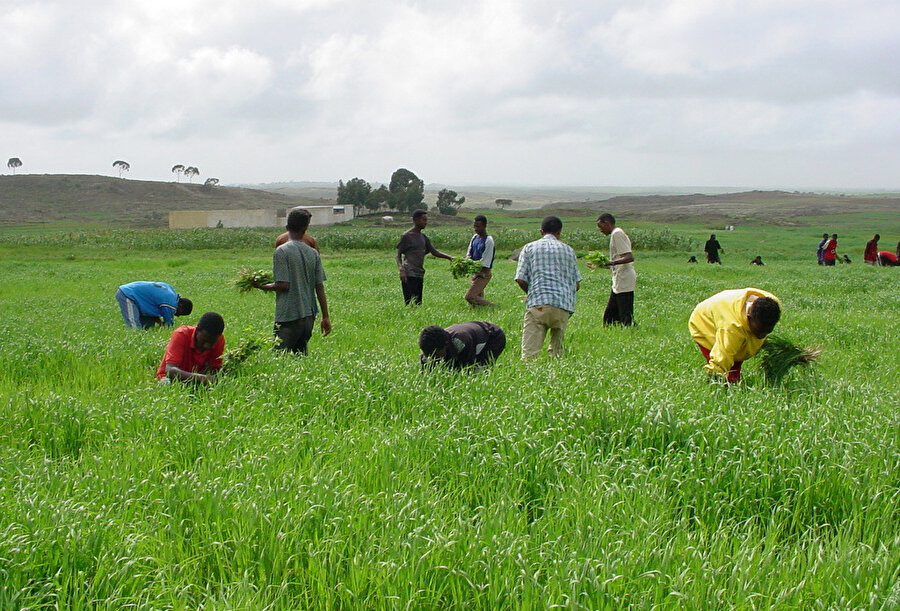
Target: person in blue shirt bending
{"type": "Point", "coordinates": [146, 304]}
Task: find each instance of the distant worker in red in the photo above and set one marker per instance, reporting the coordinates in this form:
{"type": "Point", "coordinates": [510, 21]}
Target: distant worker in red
{"type": "Point", "coordinates": [829, 252]}
{"type": "Point", "coordinates": [870, 255]}
{"type": "Point", "coordinates": [889, 259]}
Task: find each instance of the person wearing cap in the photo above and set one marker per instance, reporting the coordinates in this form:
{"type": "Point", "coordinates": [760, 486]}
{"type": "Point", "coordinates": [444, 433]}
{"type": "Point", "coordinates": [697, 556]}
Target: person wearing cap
{"type": "Point", "coordinates": [469, 344]}
{"type": "Point", "coordinates": [147, 304]}
{"type": "Point", "coordinates": [194, 354]}
{"type": "Point", "coordinates": [731, 326]}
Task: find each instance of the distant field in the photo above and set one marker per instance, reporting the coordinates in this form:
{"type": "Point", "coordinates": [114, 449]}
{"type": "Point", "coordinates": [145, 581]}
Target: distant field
{"type": "Point", "coordinates": [61, 201]}
{"type": "Point", "coordinates": [615, 478]}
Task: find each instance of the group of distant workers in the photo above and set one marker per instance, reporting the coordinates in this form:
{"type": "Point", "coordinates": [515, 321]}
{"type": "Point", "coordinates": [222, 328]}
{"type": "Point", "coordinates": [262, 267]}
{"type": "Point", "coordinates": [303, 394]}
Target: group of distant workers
{"type": "Point", "coordinates": [728, 328]}
{"type": "Point", "coordinates": [826, 253]}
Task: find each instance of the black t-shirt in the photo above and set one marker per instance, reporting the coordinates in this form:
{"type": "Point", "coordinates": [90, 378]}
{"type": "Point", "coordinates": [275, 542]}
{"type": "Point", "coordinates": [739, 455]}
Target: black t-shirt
{"type": "Point", "coordinates": [473, 343]}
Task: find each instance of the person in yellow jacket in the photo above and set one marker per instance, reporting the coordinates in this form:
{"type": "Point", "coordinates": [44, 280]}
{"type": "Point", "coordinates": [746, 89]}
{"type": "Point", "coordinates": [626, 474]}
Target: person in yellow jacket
{"type": "Point", "coordinates": [732, 326]}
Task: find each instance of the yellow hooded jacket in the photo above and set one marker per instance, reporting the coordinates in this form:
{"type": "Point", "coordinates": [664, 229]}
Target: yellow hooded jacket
{"type": "Point", "coordinates": [720, 325]}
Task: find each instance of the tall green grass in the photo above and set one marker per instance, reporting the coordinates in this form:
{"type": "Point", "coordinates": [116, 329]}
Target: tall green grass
{"type": "Point", "coordinates": [614, 478]}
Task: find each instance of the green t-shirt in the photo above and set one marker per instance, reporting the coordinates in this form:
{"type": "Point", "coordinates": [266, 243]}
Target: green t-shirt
{"type": "Point", "coordinates": [299, 265]}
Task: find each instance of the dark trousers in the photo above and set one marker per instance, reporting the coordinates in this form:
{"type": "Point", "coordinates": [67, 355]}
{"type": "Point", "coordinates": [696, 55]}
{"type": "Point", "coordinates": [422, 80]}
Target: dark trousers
{"type": "Point", "coordinates": [295, 334]}
{"type": "Point", "coordinates": [619, 309]}
{"type": "Point", "coordinates": [412, 289]}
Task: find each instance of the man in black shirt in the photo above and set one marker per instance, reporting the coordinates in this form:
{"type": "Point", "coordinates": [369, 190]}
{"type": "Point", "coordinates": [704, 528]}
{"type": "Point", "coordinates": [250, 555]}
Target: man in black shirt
{"type": "Point", "coordinates": [411, 251]}
{"type": "Point", "coordinates": [712, 249]}
{"type": "Point", "coordinates": [475, 343]}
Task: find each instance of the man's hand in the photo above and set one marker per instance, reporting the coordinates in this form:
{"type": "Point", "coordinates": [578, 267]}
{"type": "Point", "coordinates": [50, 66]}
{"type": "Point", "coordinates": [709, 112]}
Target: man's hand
{"type": "Point", "coordinates": [326, 326]}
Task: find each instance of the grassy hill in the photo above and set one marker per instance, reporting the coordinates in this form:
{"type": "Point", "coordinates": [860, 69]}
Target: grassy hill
{"type": "Point", "coordinates": [41, 199]}
{"type": "Point", "coordinates": [755, 207]}
{"type": "Point", "coordinates": [61, 200]}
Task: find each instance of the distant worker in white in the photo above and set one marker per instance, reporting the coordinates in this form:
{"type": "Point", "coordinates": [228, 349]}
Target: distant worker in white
{"type": "Point", "coordinates": [620, 307]}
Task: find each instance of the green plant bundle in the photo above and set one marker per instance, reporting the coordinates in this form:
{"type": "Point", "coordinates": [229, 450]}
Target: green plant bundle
{"type": "Point", "coordinates": [597, 258]}
{"type": "Point", "coordinates": [248, 278]}
{"type": "Point", "coordinates": [461, 267]}
{"type": "Point", "coordinates": [780, 355]}
{"type": "Point", "coordinates": [234, 357]}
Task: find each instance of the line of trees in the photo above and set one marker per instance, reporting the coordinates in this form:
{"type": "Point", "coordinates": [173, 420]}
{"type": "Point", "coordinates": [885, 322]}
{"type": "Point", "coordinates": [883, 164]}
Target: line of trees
{"type": "Point", "coordinates": [405, 193]}
{"type": "Point", "coordinates": [15, 163]}
{"type": "Point", "coordinates": [189, 171]}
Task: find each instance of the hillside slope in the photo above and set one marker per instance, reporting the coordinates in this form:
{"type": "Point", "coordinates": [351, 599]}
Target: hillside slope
{"type": "Point", "coordinates": [777, 207]}
{"type": "Point", "coordinates": [138, 203]}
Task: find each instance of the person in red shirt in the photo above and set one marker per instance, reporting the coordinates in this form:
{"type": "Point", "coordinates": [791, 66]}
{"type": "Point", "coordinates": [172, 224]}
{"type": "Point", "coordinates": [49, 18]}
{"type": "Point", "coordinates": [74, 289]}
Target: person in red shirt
{"type": "Point", "coordinates": [829, 254]}
{"type": "Point", "coordinates": [194, 354]}
{"type": "Point", "coordinates": [888, 259]}
{"type": "Point", "coordinates": [870, 255]}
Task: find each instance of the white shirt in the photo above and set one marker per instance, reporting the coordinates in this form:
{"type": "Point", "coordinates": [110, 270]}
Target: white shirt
{"type": "Point", "coordinates": [624, 277]}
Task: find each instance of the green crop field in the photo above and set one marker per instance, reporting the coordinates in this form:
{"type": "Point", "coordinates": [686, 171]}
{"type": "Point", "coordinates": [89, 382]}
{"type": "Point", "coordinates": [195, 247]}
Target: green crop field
{"type": "Point", "coordinates": [617, 477]}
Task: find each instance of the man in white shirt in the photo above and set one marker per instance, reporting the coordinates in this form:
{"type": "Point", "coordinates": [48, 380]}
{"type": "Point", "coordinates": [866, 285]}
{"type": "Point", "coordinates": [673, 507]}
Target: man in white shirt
{"type": "Point", "coordinates": [481, 248]}
{"type": "Point", "coordinates": [620, 308]}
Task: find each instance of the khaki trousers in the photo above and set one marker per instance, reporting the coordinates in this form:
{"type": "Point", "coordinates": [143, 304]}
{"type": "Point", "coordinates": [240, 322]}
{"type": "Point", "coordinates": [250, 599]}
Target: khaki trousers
{"type": "Point", "coordinates": [475, 294]}
{"type": "Point", "coordinates": [538, 320]}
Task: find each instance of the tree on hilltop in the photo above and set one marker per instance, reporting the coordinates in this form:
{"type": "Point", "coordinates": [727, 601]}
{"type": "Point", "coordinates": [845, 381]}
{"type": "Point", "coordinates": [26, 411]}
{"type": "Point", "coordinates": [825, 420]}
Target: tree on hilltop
{"type": "Point", "coordinates": [448, 203]}
{"type": "Point", "coordinates": [209, 184]}
{"type": "Point", "coordinates": [122, 166]}
{"type": "Point", "coordinates": [503, 203]}
{"type": "Point", "coordinates": [355, 193]}
{"type": "Point", "coordinates": [178, 170]}
{"type": "Point", "coordinates": [13, 163]}
{"type": "Point", "coordinates": [407, 191]}
{"type": "Point", "coordinates": [190, 172]}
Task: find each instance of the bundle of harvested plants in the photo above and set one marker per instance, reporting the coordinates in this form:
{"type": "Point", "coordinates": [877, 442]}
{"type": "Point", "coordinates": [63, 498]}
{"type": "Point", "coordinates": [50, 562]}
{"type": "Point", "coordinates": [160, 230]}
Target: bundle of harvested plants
{"type": "Point", "coordinates": [234, 357]}
{"type": "Point", "coordinates": [596, 258]}
{"type": "Point", "coordinates": [779, 355]}
{"type": "Point", "coordinates": [461, 267]}
{"type": "Point", "coordinates": [247, 278]}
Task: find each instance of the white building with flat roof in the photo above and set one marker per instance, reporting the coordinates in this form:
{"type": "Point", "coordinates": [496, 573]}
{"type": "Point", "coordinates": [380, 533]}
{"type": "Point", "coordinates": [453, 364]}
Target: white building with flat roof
{"type": "Point", "coordinates": [271, 217]}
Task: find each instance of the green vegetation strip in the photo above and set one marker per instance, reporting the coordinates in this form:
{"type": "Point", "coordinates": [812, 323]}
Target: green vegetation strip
{"type": "Point", "coordinates": [347, 479]}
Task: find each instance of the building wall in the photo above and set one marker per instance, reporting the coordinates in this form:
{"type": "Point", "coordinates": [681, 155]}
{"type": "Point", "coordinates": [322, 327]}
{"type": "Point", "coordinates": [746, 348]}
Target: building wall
{"type": "Point", "coordinates": [189, 219]}
{"type": "Point", "coordinates": [321, 215]}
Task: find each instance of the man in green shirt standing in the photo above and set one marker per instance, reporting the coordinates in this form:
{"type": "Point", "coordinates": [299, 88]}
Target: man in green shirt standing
{"type": "Point", "coordinates": [298, 284]}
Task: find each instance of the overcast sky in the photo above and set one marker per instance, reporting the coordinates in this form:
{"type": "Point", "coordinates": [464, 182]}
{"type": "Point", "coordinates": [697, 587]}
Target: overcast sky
{"type": "Point", "coordinates": [756, 93]}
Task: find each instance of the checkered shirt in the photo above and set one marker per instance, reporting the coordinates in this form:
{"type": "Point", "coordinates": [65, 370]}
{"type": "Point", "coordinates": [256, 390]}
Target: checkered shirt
{"type": "Point", "coordinates": [550, 269]}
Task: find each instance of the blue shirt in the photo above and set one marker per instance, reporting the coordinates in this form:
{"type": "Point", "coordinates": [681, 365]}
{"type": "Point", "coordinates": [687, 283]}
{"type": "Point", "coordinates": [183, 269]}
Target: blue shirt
{"type": "Point", "coordinates": [153, 299]}
{"type": "Point", "coordinates": [482, 249]}
{"type": "Point", "coordinates": [551, 271]}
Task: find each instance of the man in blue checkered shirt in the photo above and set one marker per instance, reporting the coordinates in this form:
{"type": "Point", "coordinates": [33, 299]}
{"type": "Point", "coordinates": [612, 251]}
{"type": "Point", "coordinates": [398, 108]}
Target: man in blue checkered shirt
{"type": "Point", "coordinates": [548, 273]}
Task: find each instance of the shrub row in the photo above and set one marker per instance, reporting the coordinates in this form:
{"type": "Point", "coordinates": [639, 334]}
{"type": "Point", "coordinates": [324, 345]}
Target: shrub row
{"type": "Point", "coordinates": [336, 238]}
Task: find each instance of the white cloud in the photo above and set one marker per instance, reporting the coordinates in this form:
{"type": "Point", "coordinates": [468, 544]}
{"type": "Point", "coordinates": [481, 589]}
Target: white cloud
{"type": "Point", "coordinates": [493, 89]}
